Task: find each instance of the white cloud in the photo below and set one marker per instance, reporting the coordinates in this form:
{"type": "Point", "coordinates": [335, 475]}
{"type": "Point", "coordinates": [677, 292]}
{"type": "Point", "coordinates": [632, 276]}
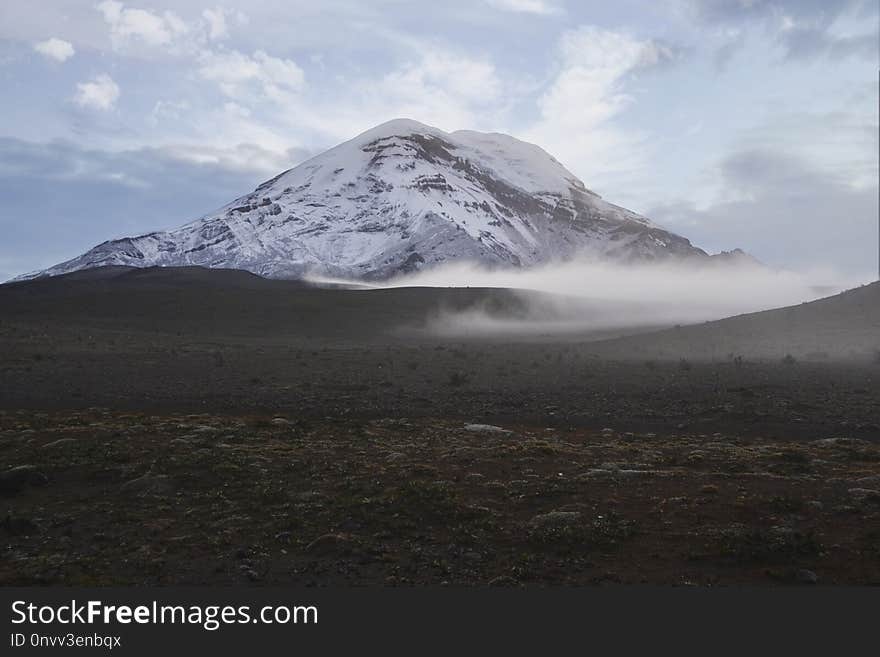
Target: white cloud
{"type": "Point", "coordinates": [782, 208]}
{"type": "Point", "coordinates": [804, 29]}
{"type": "Point", "coordinates": [444, 76]}
{"type": "Point", "coordinates": [541, 7]}
{"type": "Point", "coordinates": [169, 110]}
{"type": "Point", "coordinates": [234, 71]}
{"type": "Point", "coordinates": [141, 24]}
{"type": "Point", "coordinates": [275, 109]}
{"type": "Point", "coordinates": [101, 92]}
{"type": "Point", "coordinates": [229, 135]}
{"type": "Point", "coordinates": [843, 142]}
{"type": "Point", "coordinates": [447, 89]}
{"type": "Point", "coordinates": [242, 157]}
{"type": "Point", "coordinates": [586, 95]}
{"type": "Point", "coordinates": [216, 19]}
{"type": "Point", "coordinates": [54, 48]}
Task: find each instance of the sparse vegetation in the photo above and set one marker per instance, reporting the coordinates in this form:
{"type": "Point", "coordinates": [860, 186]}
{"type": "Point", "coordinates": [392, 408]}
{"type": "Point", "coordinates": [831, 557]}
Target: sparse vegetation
{"type": "Point", "coordinates": [267, 499]}
{"type": "Point", "coordinates": [775, 545]}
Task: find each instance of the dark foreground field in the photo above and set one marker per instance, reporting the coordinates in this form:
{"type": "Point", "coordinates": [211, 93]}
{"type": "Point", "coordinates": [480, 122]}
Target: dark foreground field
{"type": "Point", "coordinates": [213, 427]}
{"type": "Point", "coordinates": [104, 497]}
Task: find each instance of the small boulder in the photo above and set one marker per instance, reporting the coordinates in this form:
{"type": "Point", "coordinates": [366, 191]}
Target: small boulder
{"type": "Point", "coordinates": [804, 576]}
{"type": "Point", "coordinates": [485, 428]}
{"type": "Point", "coordinates": [554, 525]}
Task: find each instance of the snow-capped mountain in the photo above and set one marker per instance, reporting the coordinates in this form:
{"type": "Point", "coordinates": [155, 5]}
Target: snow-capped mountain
{"type": "Point", "coordinates": [398, 198]}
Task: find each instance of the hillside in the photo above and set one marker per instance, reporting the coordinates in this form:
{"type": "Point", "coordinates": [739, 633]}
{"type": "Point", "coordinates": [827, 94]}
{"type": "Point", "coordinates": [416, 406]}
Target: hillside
{"type": "Point", "coordinates": [845, 325]}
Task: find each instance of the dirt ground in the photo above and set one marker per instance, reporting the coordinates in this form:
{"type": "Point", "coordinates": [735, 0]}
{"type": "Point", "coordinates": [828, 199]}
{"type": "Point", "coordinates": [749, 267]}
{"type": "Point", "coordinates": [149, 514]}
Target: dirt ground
{"type": "Point", "coordinates": [207, 432]}
{"type": "Point", "coordinates": [113, 498]}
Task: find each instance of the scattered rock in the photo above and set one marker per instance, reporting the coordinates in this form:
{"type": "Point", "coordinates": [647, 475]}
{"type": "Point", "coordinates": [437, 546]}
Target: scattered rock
{"type": "Point", "coordinates": [641, 472]}
{"type": "Point", "coordinates": [840, 442]}
{"type": "Point", "coordinates": [865, 494]}
{"type": "Point", "coordinates": [804, 576]}
{"type": "Point", "coordinates": [696, 456]}
{"type": "Point", "coordinates": [485, 428]}
{"type": "Point", "coordinates": [59, 443]}
{"type": "Point", "coordinates": [250, 573]}
{"type": "Point", "coordinates": [592, 473]}
{"type": "Point", "coordinates": [204, 429]}
{"type": "Point", "coordinates": [14, 480]}
{"type": "Point", "coordinates": [330, 544]}
{"type": "Point", "coordinates": [149, 485]}
{"type": "Point", "coordinates": [555, 519]}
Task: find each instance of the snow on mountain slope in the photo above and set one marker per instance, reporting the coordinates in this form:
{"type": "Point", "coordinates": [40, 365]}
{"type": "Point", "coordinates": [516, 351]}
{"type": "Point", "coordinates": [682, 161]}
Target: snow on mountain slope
{"type": "Point", "coordinates": [397, 198]}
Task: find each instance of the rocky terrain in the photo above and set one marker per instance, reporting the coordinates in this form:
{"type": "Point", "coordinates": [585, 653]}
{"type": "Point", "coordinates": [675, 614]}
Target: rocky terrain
{"type": "Point", "coordinates": [202, 426]}
{"type": "Point", "coordinates": [97, 497]}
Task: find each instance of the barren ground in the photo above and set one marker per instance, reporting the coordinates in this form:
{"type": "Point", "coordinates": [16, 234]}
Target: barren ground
{"type": "Point", "coordinates": [190, 431]}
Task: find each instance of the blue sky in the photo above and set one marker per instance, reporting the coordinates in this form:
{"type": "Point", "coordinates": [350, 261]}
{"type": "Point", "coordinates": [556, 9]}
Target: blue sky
{"type": "Point", "coordinates": [737, 123]}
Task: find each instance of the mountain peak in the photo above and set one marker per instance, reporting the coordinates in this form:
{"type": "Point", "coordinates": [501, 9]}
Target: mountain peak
{"type": "Point", "coordinates": [398, 127]}
{"type": "Point", "coordinates": [400, 197]}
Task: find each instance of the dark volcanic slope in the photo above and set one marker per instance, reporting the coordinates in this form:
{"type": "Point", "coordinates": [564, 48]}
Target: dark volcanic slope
{"type": "Point", "coordinates": [846, 326]}
{"type": "Point", "coordinates": [226, 303]}
{"type": "Point", "coordinates": [226, 341]}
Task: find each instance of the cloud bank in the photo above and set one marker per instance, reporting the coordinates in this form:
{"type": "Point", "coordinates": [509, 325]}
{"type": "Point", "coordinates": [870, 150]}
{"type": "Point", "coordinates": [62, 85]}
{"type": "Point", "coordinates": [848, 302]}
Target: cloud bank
{"type": "Point", "coordinates": [590, 296]}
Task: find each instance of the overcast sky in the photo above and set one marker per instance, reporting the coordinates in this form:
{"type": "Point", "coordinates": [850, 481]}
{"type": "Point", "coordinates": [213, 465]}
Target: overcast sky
{"type": "Point", "coordinates": [737, 123]}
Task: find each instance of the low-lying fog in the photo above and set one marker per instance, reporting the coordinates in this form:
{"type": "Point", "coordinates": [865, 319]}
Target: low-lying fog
{"type": "Point", "coordinates": [607, 297]}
